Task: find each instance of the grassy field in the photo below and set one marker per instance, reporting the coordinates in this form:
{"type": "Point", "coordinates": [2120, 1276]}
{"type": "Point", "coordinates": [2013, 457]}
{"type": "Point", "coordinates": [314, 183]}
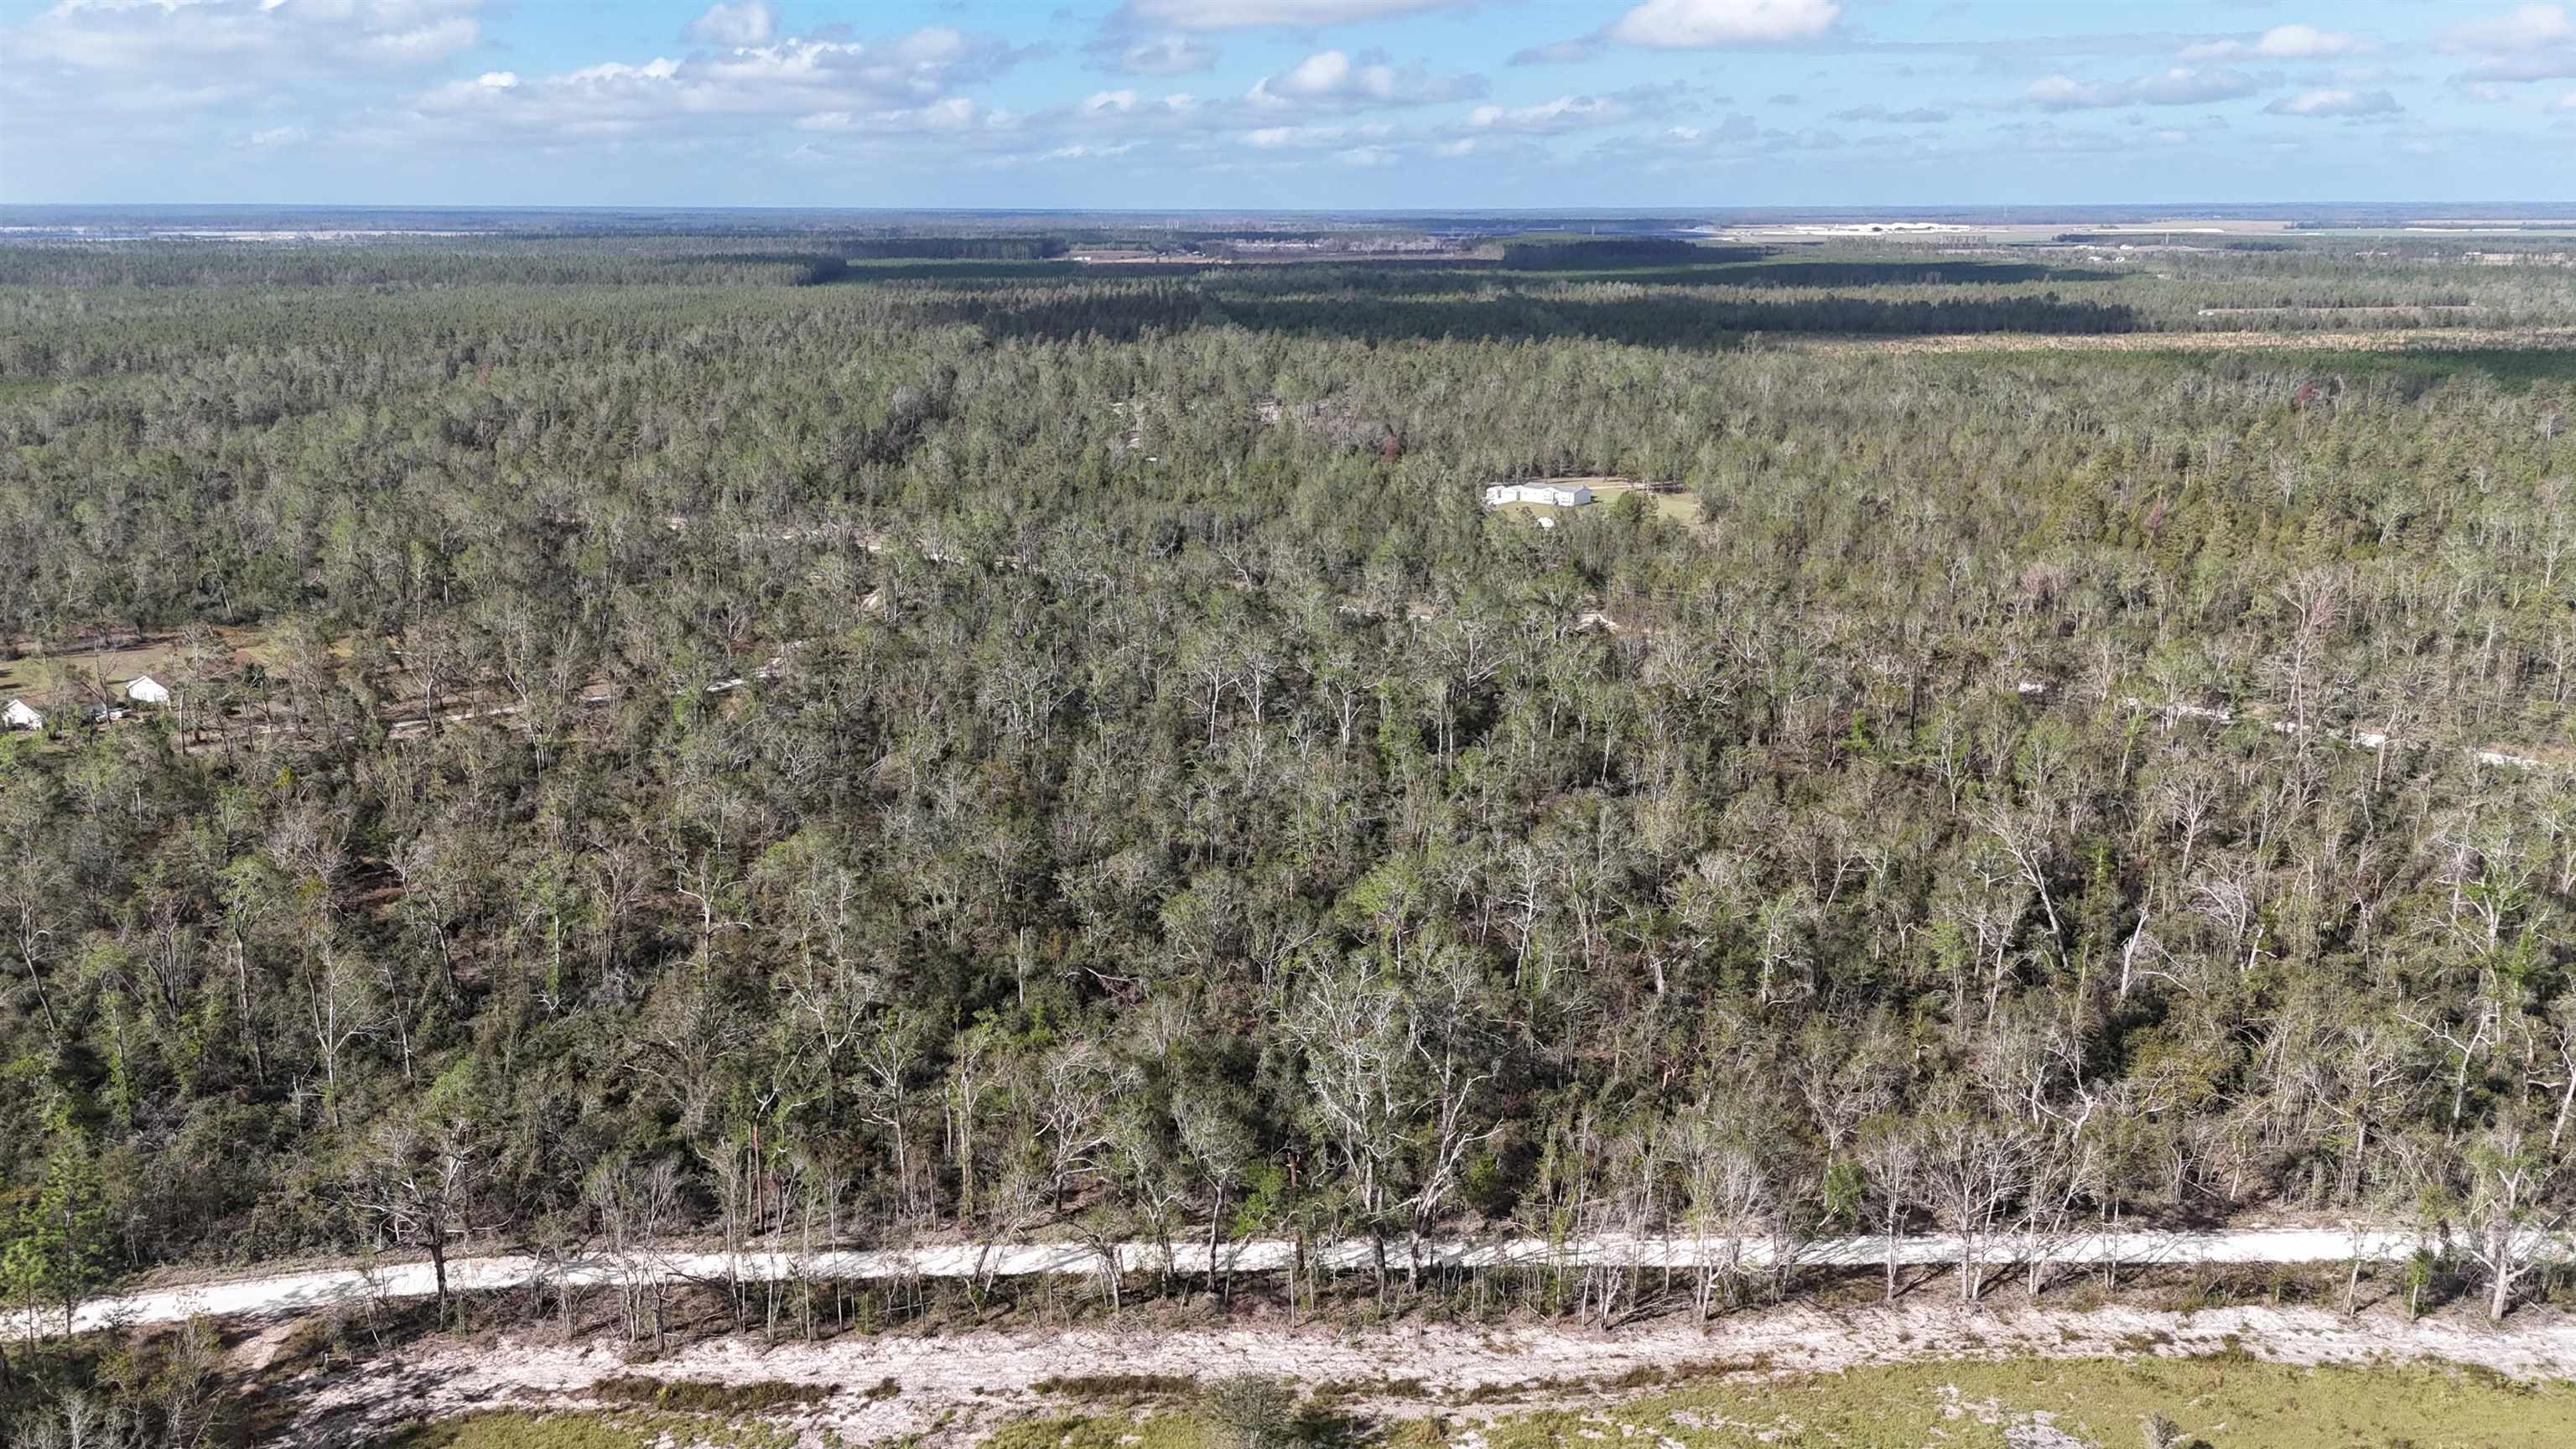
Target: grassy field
{"type": "Point", "coordinates": [2223, 1402]}
{"type": "Point", "coordinates": [102, 669]}
{"type": "Point", "coordinates": [1680, 507]}
{"type": "Point", "coordinates": [102, 672]}
{"type": "Point", "coordinates": [520, 1429]}
{"type": "Point", "coordinates": [2227, 1404]}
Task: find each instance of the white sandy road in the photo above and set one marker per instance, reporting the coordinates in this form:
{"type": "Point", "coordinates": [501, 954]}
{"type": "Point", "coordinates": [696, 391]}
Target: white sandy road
{"type": "Point", "coordinates": [303, 1291]}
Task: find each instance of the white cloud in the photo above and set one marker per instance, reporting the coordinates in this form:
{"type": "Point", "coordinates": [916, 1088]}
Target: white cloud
{"type": "Point", "coordinates": [2283, 42]}
{"type": "Point", "coordinates": [180, 73]}
{"type": "Point", "coordinates": [1736, 130]}
{"type": "Point", "coordinates": [1565, 113]}
{"type": "Point", "coordinates": [2519, 29]}
{"type": "Point", "coordinates": [1710, 24]}
{"type": "Point", "coordinates": [2048, 137]}
{"type": "Point", "coordinates": [421, 44]}
{"type": "Point", "coordinates": [2180, 86]}
{"type": "Point", "coordinates": [906, 82]}
{"type": "Point", "coordinates": [2528, 43]}
{"type": "Point", "coordinates": [1735, 140]}
{"type": "Point", "coordinates": [273, 137]}
{"type": "Point", "coordinates": [159, 37]}
{"type": "Point", "coordinates": [1082, 152]}
{"type": "Point", "coordinates": [1153, 55]}
{"type": "Point", "coordinates": [1919, 116]}
{"type": "Point", "coordinates": [1312, 138]}
{"type": "Point", "coordinates": [1568, 113]}
{"type": "Point", "coordinates": [2332, 103]}
{"type": "Point", "coordinates": [745, 22]}
{"type": "Point", "coordinates": [1251, 14]}
{"type": "Point", "coordinates": [1559, 52]}
{"type": "Point", "coordinates": [952, 116]}
{"type": "Point", "coordinates": [1336, 78]}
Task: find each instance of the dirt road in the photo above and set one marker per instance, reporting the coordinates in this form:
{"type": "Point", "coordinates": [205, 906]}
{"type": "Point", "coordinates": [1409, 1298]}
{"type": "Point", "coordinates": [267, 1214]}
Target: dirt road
{"type": "Point", "coordinates": [253, 1296]}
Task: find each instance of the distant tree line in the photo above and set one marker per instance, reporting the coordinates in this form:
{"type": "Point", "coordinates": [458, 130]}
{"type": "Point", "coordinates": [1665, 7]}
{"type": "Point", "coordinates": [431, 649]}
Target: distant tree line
{"type": "Point", "coordinates": [978, 248]}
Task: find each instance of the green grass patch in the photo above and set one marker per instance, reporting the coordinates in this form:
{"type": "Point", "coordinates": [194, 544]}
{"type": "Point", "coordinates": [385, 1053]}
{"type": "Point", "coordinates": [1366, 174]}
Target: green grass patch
{"type": "Point", "coordinates": [1116, 1387]}
{"type": "Point", "coordinates": [1339, 1391]}
{"type": "Point", "coordinates": [704, 1396]}
{"type": "Point", "coordinates": [521, 1429]}
{"type": "Point", "coordinates": [1104, 1431]}
{"type": "Point", "coordinates": [2227, 1402]}
{"type": "Point", "coordinates": [2224, 1401]}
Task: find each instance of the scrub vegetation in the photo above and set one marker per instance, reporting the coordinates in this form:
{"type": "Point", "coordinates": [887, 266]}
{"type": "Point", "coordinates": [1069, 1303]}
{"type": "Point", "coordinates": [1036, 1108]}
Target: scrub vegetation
{"type": "Point", "coordinates": [767, 742]}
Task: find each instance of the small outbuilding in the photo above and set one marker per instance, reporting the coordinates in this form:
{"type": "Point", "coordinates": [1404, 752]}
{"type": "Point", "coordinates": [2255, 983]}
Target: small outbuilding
{"type": "Point", "coordinates": [1554, 495]}
{"type": "Point", "coordinates": [17, 714]}
{"type": "Point", "coordinates": [144, 689]}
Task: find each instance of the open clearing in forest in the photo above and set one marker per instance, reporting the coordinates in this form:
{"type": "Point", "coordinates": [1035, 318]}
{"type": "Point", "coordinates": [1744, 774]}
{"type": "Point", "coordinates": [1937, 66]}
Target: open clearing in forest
{"type": "Point", "coordinates": [2401, 309]}
{"type": "Point", "coordinates": [2391, 339]}
{"type": "Point", "coordinates": [1672, 500]}
{"type": "Point", "coordinates": [1915, 1373]}
{"type": "Point", "coordinates": [24, 667]}
{"type": "Point", "coordinates": [102, 669]}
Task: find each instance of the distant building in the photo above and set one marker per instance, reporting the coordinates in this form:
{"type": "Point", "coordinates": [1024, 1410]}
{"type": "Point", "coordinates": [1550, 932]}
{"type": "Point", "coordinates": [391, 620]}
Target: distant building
{"type": "Point", "coordinates": [17, 714]}
{"type": "Point", "coordinates": [1557, 495]}
{"type": "Point", "coordinates": [144, 689]}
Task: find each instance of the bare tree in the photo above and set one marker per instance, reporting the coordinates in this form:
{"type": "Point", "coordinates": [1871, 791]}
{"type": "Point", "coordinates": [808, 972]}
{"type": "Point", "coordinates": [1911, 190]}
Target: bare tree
{"type": "Point", "coordinates": [2507, 1211]}
{"type": "Point", "coordinates": [416, 1181]}
{"type": "Point", "coordinates": [1217, 1144]}
{"type": "Point", "coordinates": [1972, 1165]}
{"type": "Point", "coordinates": [1890, 1156]}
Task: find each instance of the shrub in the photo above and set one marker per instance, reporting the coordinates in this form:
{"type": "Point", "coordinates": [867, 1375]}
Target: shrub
{"type": "Point", "coordinates": [1251, 1411]}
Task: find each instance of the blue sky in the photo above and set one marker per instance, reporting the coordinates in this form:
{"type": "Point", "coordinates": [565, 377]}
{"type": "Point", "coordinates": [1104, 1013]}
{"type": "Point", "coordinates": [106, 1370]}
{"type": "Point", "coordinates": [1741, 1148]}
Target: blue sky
{"type": "Point", "coordinates": [1285, 103]}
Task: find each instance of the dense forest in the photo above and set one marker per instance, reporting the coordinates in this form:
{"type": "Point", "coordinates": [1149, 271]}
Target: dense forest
{"type": "Point", "coordinates": [662, 743]}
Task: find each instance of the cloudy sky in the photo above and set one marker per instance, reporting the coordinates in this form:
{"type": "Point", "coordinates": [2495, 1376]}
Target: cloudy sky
{"type": "Point", "coordinates": [1285, 103]}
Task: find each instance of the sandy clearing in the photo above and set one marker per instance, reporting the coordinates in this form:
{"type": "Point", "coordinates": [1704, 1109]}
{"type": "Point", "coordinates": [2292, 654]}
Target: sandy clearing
{"type": "Point", "coordinates": [2392, 339]}
{"type": "Point", "coordinates": [322, 1288]}
{"type": "Point", "coordinates": [2394, 309]}
{"type": "Point", "coordinates": [953, 1387]}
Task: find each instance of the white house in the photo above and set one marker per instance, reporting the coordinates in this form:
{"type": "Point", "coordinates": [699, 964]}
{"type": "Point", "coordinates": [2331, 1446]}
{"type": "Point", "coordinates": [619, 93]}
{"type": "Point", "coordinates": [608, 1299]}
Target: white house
{"type": "Point", "coordinates": [1559, 495]}
{"type": "Point", "coordinates": [144, 689]}
{"type": "Point", "coordinates": [17, 714]}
